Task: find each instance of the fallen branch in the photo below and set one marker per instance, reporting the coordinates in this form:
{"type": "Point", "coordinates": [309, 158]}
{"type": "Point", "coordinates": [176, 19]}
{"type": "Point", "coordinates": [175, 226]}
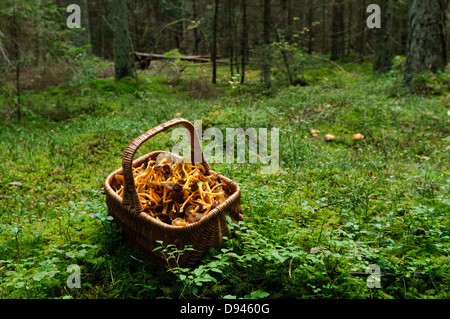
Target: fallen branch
{"type": "Point", "coordinates": [366, 274]}
{"type": "Point", "coordinates": [153, 56]}
{"type": "Point", "coordinates": [191, 58]}
{"type": "Point", "coordinates": [330, 204]}
{"type": "Point", "coordinates": [333, 63]}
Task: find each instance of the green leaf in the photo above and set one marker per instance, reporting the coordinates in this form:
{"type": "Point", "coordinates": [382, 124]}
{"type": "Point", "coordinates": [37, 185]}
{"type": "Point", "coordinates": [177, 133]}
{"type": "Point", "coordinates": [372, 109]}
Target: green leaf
{"type": "Point", "coordinates": [257, 294]}
{"type": "Point", "coordinates": [217, 270]}
{"type": "Point", "coordinates": [19, 284]}
{"type": "Point", "coordinates": [198, 271]}
{"type": "Point", "coordinates": [38, 276]}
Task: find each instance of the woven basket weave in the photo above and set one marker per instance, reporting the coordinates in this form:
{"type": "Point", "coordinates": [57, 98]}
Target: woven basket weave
{"type": "Point", "coordinates": [143, 231]}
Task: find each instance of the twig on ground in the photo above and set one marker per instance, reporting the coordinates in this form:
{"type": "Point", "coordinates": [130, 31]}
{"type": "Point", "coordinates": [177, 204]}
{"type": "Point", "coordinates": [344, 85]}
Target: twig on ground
{"type": "Point", "coordinates": [333, 63]}
{"type": "Point", "coordinates": [343, 200]}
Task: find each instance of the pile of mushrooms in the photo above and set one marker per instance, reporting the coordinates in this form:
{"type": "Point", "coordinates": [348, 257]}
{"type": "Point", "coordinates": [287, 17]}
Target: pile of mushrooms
{"type": "Point", "coordinates": [176, 192]}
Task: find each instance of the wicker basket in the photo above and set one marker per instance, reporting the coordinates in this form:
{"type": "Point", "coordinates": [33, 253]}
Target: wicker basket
{"type": "Point", "coordinates": [143, 231]}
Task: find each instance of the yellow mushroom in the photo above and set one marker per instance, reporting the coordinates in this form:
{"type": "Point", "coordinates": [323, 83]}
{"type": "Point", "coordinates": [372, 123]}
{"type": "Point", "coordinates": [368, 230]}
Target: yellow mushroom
{"type": "Point", "coordinates": [186, 201]}
{"type": "Point", "coordinates": [166, 205]}
{"type": "Point", "coordinates": [120, 191]}
{"type": "Point", "coordinates": [161, 183]}
{"type": "Point", "coordinates": [199, 201]}
{"type": "Point", "coordinates": [314, 132]}
{"type": "Point", "coordinates": [119, 179]}
{"type": "Point", "coordinates": [179, 222]}
{"type": "Point", "coordinates": [222, 183]}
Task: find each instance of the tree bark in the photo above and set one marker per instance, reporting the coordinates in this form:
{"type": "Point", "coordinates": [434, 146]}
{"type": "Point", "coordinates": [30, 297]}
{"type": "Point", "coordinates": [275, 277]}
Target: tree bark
{"type": "Point", "coordinates": [426, 49]}
{"type": "Point", "coordinates": [337, 30]}
{"type": "Point", "coordinates": [287, 13]}
{"type": "Point", "coordinates": [360, 31]}
{"type": "Point", "coordinates": [17, 56]}
{"type": "Point", "coordinates": [244, 39]}
{"type": "Point", "coordinates": [383, 45]}
{"type": "Point", "coordinates": [122, 49]}
{"type": "Point", "coordinates": [231, 35]}
{"type": "Point", "coordinates": [309, 25]}
{"type": "Point", "coordinates": [214, 51]}
{"type": "Point", "coordinates": [196, 33]}
{"type": "Point", "coordinates": [266, 36]}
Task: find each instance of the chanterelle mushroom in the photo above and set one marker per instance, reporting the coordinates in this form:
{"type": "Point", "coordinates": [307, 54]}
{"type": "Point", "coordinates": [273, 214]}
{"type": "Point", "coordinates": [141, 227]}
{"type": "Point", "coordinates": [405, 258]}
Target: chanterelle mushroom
{"type": "Point", "coordinates": [175, 191]}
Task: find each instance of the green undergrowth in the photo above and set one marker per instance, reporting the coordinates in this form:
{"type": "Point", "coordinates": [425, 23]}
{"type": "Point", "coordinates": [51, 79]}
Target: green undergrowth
{"type": "Point", "coordinates": [311, 230]}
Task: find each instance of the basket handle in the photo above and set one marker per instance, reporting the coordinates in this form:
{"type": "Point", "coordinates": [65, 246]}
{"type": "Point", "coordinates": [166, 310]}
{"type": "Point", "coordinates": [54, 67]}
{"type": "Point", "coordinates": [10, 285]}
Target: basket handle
{"type": "Point", "coordinates": [130, 196]}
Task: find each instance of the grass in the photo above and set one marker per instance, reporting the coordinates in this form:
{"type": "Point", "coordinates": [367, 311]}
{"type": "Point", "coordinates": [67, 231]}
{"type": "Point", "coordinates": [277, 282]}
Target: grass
{"type": "Point", "coordinates": [310, 231]}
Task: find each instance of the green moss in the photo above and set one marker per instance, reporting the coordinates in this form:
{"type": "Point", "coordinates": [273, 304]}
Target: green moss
{"type": "Point", "coordinates": [332, 209]}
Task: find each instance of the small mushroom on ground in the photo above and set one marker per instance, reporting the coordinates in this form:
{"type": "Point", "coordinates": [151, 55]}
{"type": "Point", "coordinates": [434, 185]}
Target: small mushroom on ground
{"type": "Point", "coordinates": [358, 136]}
{"type": "Point", "coordinates": [314, 132]}
{"type": "Point", "coordinates": [329, 137]}
{"type": "Point", "coordinates": [15, 183]}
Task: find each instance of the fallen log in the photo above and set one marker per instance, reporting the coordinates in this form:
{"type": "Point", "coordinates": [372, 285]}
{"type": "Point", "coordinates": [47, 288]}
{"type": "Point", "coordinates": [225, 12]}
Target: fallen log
{"type": "Point", "coordinates": [144, 59]}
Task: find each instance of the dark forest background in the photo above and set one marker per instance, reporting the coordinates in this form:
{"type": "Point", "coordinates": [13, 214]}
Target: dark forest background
{"type": "Point", "coordinates": [281, 33]}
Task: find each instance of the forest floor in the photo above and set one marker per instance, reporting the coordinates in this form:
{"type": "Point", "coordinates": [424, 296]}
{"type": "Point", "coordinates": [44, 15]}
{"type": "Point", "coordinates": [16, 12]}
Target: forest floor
{"type": "Point", "coordinates": [311, 230]}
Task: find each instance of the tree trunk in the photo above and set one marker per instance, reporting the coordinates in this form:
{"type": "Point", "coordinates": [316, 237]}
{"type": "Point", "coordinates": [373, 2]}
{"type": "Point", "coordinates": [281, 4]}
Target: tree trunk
{"type": "Point", "coordinates": [383, 45]}
{"type": "Point", "coordinates": [17, 57]}
{"type": "Point", "coordinates": [196, 33]}
{"type": "Point", "coordinates": [3, 58]}
{"type": "Point", "coordinates": [350, 14]}
{"type": "Point", "coordinates": [244, 39]}
{"type": "Point", "coordinates": [324, 37]}
{"type": "Point", "coordinates": [309, 25]}
{"type": "Point", "coordinates": [266, 36]}
{"type": "Point", "coordinates": [287, 13]}
{"type": "Point", "coordinates": [360, 31]}
{"type": "Point", "coordinates": [231, 34]}
{"type": "Point", "coordinates": [214, 51]}
{"type": "Point", "coordinates": [285, 59]}
{"type": "Point", "coordinates": [426, 37]}
{"type": "Point", "coordinates": [235, 41]}
{"type": "Point", "coordinates": [122, 50]}
{"type": "Point", "coordinates": [337, 31]}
